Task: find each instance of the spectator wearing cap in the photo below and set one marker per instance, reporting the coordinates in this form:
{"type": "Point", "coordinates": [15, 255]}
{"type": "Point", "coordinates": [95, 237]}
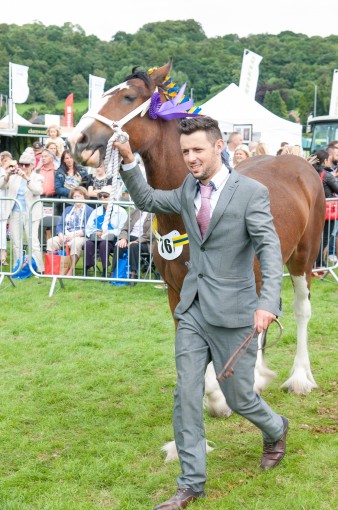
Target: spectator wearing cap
{"type": "Point", "coordinates": [117, 219]}
{"type": "Point", "coordinates": [54, 135]}
{"type": "Point", "coordinates": [37, 148]}
{"type": "Point", "coordinates": [24, 186]}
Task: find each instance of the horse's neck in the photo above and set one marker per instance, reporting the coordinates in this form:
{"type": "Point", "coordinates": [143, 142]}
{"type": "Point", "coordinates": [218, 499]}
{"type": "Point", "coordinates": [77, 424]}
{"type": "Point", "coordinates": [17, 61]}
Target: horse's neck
{"type": "Point", "coordinates": [166, 170]}
{"type": "Point", "coordinates": [163, 161]}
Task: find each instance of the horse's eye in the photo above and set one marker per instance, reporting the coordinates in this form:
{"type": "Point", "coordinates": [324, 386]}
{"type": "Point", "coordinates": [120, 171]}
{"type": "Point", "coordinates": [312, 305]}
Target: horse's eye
{"type": "Point", "coordinates": [130, 99]}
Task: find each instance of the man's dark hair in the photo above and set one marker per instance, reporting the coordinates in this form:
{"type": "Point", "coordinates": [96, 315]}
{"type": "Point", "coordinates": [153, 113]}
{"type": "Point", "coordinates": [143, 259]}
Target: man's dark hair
{"type": "Point", "coordinates": [333, 144]}
{"type": "Point", "coordinates": [201, 123]}
{"type": "Point", "coordinates": [321, 156]}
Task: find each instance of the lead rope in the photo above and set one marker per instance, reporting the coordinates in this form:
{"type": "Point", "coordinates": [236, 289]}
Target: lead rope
{"type": "Point", "coordinates": [112, 158]}
{"type": "Point", "coordinates": [112, 163]}
{"type": "Point", "coordinates": [229, 368]}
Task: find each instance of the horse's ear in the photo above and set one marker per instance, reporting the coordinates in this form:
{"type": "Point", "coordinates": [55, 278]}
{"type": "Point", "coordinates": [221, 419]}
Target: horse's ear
{"type": "Point", "coordinates": [159, 74]}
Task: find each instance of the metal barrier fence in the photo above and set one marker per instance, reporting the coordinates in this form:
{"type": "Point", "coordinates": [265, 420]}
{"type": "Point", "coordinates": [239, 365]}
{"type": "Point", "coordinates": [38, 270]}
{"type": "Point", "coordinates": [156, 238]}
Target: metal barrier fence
{"type": "Point", "coordinates": [327, 261]}
{"type": "Point", "coordinates": [11, 246]}
{"type": "Point", "coordinates": [57, 254]}
{"type": "Point", "coordinates": [40, 233]}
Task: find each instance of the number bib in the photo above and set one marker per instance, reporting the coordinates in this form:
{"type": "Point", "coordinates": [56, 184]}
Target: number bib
{"type": "Point", "coordinates": [166, 247]}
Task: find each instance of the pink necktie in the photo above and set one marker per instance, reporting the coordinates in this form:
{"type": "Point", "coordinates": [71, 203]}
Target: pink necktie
{"type": "Point", "coordinates": [203, 215]}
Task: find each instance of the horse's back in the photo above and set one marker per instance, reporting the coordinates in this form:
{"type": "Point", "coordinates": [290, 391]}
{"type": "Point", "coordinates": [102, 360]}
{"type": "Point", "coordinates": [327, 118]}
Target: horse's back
{"type": "Point", "coordinates": [296, 198]}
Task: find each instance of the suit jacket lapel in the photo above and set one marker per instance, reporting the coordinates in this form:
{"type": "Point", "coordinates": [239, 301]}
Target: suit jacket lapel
{"type": "Point", "coordinates": [223, 201]}
{"type": "Point", "coordinates": [190, 196]}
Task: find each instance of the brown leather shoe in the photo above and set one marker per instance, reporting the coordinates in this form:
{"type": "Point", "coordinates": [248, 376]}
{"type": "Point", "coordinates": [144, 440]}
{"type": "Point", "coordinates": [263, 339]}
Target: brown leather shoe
{"type": "Point", "coordinates": [274, 452]}
{"type": "Point", "coordinates": [183, 497]}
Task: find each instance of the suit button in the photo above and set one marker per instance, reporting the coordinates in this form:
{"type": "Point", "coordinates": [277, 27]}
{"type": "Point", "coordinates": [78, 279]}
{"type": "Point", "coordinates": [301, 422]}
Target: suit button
{"type": "Point", "coordinates": [202, 249]}
{"type": "Point", "coordinates": [200, 275]}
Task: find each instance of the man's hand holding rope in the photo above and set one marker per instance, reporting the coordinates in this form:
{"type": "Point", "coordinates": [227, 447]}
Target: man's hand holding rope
{"type": "Point", "coordinates": [262, 320]}
{"type": "Point", "coordinates": [125, 151]}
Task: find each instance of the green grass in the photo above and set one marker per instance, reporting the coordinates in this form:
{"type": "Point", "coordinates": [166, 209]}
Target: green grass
{"type": "Point", "coordinates": [86, 403]}
{"type": "Point", "coordinates": [78, 107]}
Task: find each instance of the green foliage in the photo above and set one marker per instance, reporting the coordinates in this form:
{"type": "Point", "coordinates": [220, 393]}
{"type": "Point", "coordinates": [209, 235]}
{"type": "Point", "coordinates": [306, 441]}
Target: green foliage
{"type": "Point", "coordinates": [86, 395]}
{"type": "Point", "coordinates": [274, 102]}
{"type": "Point", "coordinates": [79, 86]}
{"type": "Point", "coordinates": [61, 58]}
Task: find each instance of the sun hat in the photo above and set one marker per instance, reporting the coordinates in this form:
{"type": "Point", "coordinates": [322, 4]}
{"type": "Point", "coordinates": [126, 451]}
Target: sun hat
{"type": "Point", "coordinates": [27, 158]}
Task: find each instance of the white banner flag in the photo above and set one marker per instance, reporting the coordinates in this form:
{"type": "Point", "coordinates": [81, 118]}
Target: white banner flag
{"type": "Point", "coordinates": [249, 73]}
{"type": "Point", "coordinates": [96, 89]}
{"type": "Point", "coordinates": [334, 95]}
{"type": "Point", "coordinates": [18, 83]}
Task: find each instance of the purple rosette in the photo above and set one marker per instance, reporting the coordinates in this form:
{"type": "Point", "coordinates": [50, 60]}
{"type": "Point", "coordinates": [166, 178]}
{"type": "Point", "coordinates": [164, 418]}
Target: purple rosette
{"type": "Point", "coordinates": [155, 105]}
{"type": "Point", "coordinates": [172, 109]}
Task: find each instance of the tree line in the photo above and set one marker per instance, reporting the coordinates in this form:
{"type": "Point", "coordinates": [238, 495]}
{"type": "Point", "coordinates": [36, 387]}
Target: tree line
{"type": "Point", "coordinates": [60, 60]}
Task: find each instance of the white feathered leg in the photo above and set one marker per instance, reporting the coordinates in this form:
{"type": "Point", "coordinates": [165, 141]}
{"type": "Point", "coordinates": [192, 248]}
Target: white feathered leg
{"type": "Point", "coordinates": [263, 375]}
{"type": "Point", "coordinates": [171, 451]}
{"type": "Point", "coordinates": [214, 403]}
{"type": "Point", "coordinates": [301, 380]}
{"type": "Point", "coordinates": [214, 400]}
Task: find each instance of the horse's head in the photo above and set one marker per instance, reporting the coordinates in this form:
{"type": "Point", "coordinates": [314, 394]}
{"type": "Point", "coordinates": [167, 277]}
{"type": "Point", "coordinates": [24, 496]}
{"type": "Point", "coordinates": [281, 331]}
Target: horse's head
{"type": "Point", "coordinates": [125, 104]}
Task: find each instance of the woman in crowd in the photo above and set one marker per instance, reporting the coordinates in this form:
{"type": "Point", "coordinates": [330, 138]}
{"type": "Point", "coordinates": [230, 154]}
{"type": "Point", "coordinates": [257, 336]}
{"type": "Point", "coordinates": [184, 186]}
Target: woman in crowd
{"type": "Point", "coordinates": [71, 227]}
{"type": "Point", "coordinates": [5, 161]}
{"type": "Point", "coordinates": [54, 135]}
{"type": "Point", "coordinates": [98, 181]}
{"type": "Point", "coordinates": [241, 153]}
{"type": "Point", "coordinates": [25, 186]}
{"type": "Point", "coordinates": [261, 149]}
{"type": "Point", "coordinates": [52, 146]}
{"type": "Point", "coordinates": [69, 175]}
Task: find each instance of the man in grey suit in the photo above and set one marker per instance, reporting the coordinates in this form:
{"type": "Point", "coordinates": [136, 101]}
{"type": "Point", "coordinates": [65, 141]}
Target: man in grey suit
{"type": "Point", "coordinates": [219, 306]}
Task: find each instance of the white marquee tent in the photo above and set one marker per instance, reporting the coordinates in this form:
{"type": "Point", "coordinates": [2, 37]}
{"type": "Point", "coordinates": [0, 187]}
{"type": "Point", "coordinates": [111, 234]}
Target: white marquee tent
{"type": "Point", "coordinates": [17, 120]}
{"type": "Point", "coordinates": [234, 109]}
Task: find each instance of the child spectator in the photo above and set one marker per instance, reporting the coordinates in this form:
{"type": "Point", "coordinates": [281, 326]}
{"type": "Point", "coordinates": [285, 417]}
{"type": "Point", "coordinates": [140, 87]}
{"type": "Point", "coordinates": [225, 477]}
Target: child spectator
{"type": "Point", "coordinates": [54, 135]}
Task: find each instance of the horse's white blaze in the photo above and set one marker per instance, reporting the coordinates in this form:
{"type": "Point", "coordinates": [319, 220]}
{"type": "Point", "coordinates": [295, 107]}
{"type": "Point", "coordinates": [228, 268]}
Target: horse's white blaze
{"type": "Point", "coordinates": [86, 121]}
{"type": "Point", "coordinates": [121, 86]}
{"type": "Point", "coordinates": [301, 380]}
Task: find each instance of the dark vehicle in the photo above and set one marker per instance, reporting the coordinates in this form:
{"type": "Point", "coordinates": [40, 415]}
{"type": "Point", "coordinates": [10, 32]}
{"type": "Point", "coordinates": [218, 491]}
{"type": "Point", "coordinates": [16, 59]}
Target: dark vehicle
{"type": "Point", "coordinates": [324, 129]}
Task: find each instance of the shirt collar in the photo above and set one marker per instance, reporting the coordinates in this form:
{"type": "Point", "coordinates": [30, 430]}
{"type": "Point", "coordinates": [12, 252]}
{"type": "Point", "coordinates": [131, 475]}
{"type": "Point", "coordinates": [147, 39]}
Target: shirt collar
{"type": "Point", "coordinates": [218, 179]}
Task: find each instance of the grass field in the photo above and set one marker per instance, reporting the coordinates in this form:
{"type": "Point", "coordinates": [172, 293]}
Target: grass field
{"type": "Point", "coordinates": [86, 387]}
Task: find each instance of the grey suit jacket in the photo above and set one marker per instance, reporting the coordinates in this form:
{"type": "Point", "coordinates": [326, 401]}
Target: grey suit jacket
{"type": "Point", "coordinates": [220, 269]}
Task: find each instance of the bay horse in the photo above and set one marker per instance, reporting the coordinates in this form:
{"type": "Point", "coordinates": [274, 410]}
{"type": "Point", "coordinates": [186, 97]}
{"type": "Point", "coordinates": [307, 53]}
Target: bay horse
{"type": "Point", "coordinates": [296, 195]}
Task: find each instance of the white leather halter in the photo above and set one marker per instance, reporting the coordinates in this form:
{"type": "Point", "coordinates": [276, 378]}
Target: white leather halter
{"type": "Point", "coordinates": [112, 158]}
{"type": "Point", "coordinates": [113, 124]}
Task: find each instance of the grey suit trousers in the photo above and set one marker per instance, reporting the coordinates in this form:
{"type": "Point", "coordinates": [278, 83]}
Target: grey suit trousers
{"type": "Point", "coordinates": [197, 342]}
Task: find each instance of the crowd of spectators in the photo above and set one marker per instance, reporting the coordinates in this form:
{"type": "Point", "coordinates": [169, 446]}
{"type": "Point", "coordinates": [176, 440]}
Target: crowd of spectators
{"type": "Point", "coordinates": [48, 171]}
